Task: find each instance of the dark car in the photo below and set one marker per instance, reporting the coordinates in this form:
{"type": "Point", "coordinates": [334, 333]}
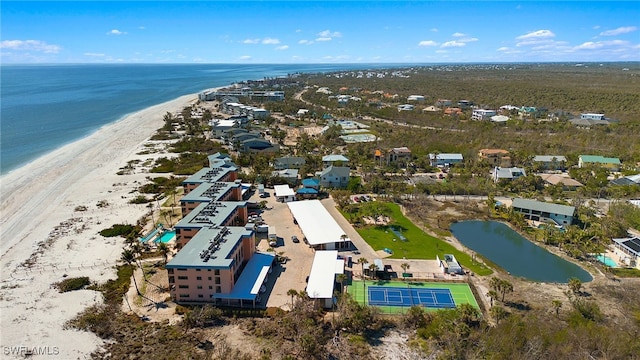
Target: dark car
{"type": "Point", "coordinates": [295, 239]}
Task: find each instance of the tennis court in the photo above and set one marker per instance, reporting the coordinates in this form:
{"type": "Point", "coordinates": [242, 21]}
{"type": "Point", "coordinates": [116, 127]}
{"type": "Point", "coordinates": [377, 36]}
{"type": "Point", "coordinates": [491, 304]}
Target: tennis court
{"type": "Point", "coordinates": [433, 298]}
{"type": "Point", "coordinates": [396, 297]}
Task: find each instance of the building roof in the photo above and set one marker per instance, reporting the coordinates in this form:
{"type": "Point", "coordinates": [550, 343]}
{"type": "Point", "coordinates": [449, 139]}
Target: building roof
{"type": "Point", "coordinates": [332, 158]}
{"type": "Point", "coordinates": [339, 171]}
{"type": "Point", "coordinates": [631, 244]}
{"type": "Point", "coordinates": [286, 173]}
{"type": "Point", "coordinates": [210, 191]}
{"type": "Point", "coordinates": [543, 206]}
{"type": "Point", "coordinates": [446, 156]}
{"type": "Point", "coordinates": [589, 122]}
{"type": "Point", "coordinates": [310, 182]}
{"type": "Point", "coordinates": [549, 158]}
{"type": "Point", "coordinates": [317, 225]}
{"type": "Point", "coordinates": [210, 214]}
{"type": "Point", "coordinates": [218, 243]}
{"type": "Point", "coordinates": [599, 159]}
{"type": "Point", "coordinates": [251, 279]}
{"type": "Point", "coordinates": [323, 274]}
{"type": "Point", "coordinates": [627, 180]}
{"type": "Point", "coordinates": [210, 174]}
{"type": "Point", "coordinates": [283, 190]}
{"type": "Point", "coordinates": [499, 118]}
{"type": "Point", "coordinates": [508, 173]}
{"type": "Point", "coordinates": [555, 179]}
{"type": "Point", "coordinates": [401, 150]}
{"type": "Point", "coordinates": [287, 161]}
{"type": "Point", "coordinates": [493, 151]}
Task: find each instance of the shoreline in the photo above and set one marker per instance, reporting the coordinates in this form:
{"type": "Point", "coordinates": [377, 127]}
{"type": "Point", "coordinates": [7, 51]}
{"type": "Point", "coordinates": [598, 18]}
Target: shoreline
{"type": "Point", "coordinates": [45, 236]}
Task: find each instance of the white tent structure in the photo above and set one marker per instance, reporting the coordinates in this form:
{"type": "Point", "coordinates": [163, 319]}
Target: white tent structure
{"type": "Point", "coordinates": [322, 278]}
{"type": "Point", "coordinates": [318, 226]}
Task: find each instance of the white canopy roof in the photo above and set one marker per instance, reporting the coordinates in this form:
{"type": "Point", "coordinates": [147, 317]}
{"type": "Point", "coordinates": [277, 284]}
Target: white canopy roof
{"type": "Point", "coordinates": [317, 225]}
{"type": "Point", "coordinates": [283, 190]}
{"type": "Point", "coordinates": [322, 276]}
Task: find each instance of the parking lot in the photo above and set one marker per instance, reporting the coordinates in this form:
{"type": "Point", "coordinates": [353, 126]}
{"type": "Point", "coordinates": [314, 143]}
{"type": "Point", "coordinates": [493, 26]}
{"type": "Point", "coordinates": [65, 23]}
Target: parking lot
{"type": "Point", "coordinates": [292, 274]}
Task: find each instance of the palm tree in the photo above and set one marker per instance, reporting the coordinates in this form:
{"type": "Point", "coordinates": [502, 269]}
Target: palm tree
{"type": "Point", "coordinates": [498, 313]}
{"type": "Point", "coordinates": [373, 268]}
{"type": "Point", "coordinates": [362, 261]}
{"type": "Point", "coordinates": [292, 293]}
{"type": "Point", "coordinates": [341, 279]}
{"type": "Point", "coordinates": [505, 287]}
{"type": "Point", "coordinates": [405, 267]}
{"type": "Point", "coordinates": [557, 304]}
{"type": "Point", "coordinates": [164, 250]}
{"type": "Point", "coordinates": [574, 285]}
{"type": "Point", "coordinates": [492, 294]}
{"type": "Point", "coordinates": [130, 258]}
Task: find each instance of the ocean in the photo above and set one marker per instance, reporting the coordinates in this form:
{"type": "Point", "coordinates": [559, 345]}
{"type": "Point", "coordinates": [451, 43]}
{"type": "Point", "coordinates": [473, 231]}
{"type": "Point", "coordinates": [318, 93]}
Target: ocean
{"type": "Point", "coordinates": [43, 107]}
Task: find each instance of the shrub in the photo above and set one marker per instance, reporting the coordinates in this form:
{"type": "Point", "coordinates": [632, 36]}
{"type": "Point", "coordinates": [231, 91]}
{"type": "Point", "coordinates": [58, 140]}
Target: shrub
{"type": "Point", "coordinates": [140, 199]}
{"type": "Point", "coordinates": [118, 230]}
{"type": "Point", "coordinates": [72, 284]}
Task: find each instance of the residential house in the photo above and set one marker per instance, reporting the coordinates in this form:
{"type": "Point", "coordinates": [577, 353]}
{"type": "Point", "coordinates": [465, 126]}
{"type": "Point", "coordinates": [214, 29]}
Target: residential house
{"type": "Point", "coordinates": [500, 173]}
{"type": "Point", "coordinates": [628, 249]}
{"type": "Point", "coordinates": [416, 98]}
{"type": "Point", "coordinates": [495, 157]}
{"type": "Point", "coordinates": [444, 102]}
{"type": "Point", "coordinates": [219, 265]}
{"type": "Point", "coordinates": [627, 180]}
{"type": "Point", "coordinates": [568, 184]}
{"type": "Point", "coordinates": [336, 159]}
{"type": "Point", "coordinates": [589, 122]}
{"type": "Point", "coordinates": [445, 160]}
{"type": "Point", "coordinates": [464, 104]}
{"type": "Point", "coordinates": [550, 162]}
{"type": "Point", "coordinates": [220, 126]}
{"type": "Point", "coordinates": [543, 211]}
{"type": "Point", "coordinates": [310, 189]}
{"type": "Point", "coordinates": [283, 193]}
{"type": "Point", "coordinates": [482, 114]}
{"type": "Point", "coordinates": [257, 145]}
{"type": "Point", "coordinates": [400, 156]}
{"type": "Point", "coordinates": [288, 162]}
{"type": "Point", "coordinates": [334, 177]}
{"type": "Point", "coordinates": [453, 111]}
{"type": "Point", "coordinates": [288, 175]}
{"type": "Point", "coordinates": [431, 109]}
{"type": "Point", "coordinates": [592, 116]}
{"type": "Point", "coordinates": [611, 164]}
{"type": "Point", "coordinates": [406, 107]}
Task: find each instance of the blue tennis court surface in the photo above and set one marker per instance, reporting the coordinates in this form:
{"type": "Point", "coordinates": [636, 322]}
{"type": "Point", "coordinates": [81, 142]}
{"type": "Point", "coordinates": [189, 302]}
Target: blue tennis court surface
{"type": "Point", "coordinates": [388, 296]}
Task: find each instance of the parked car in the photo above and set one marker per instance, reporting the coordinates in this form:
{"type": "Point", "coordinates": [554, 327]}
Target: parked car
{"type": "Point", "coordinates": [295, 239]}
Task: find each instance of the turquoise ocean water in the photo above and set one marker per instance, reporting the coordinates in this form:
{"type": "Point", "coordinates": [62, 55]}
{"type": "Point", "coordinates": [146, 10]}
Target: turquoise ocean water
{"type": "Point", "coordinates": [43, 107]}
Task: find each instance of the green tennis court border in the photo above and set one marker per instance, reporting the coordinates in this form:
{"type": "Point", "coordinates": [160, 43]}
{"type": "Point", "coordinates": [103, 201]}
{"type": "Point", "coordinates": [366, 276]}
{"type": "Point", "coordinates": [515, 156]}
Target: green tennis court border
{"type": "Point", "coordinates": [461, 293]}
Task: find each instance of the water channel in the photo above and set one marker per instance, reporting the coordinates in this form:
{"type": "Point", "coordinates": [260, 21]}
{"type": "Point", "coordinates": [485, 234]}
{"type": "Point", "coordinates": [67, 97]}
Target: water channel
{"type": "Point", "coordinates": [515, 254]}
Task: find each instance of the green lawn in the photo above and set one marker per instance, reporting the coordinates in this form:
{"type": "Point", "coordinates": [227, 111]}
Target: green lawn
{"type": "Point", "coordinates": [461, 293]}
{"type": "Point", "coordinates": [418, 244]}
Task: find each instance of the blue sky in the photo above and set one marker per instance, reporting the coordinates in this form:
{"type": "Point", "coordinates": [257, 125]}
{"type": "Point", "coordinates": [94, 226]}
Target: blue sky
{"type": "Point", "coordinates": [318, 32]}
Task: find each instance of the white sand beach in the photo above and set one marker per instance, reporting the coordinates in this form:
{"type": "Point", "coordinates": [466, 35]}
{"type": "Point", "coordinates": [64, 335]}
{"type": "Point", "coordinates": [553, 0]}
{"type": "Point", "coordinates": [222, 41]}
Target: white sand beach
{"type": "Point", "coordinates": [40, 225]}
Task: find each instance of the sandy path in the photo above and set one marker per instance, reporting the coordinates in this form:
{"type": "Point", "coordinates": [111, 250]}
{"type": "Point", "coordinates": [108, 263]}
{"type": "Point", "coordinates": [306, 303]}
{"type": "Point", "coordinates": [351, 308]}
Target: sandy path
{"type": "Point", "coordinates": [38, 205]}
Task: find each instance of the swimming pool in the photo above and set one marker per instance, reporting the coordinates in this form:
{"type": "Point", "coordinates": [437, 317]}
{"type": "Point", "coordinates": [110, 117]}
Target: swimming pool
{"type": "Point", "coordinates": [607, 261]}
{"type": "Point", "coordinates": [167, 236]}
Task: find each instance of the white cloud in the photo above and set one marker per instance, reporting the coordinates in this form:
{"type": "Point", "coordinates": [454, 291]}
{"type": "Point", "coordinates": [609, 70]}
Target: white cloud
{"type": "Point", "coordinates": [468, 39]}
{"type": "Point", "coordinates": [305, 42]}
{"type": "Point", "coordinates": [434, 30]}
{"type": "Point", "coordinates": [93, 54]}
{"type": "Point", "coordinates": [619, 31]}
{"type": "Point", "coordinates": [298, 30]}
{"type": "Point", "coordinates": [427, 43]}
{"type": "Point", "coordinates": [458, 34]}
{"type": "Point", "coordinates": [244, 57]}
{"type": "Point", "coordinates": [329, 34]}
{"type": "Point", "coordinates": [453, 44]}
{"type": "Point", "coordinates": [441, 51]}
{"type": "Point", "coordinates": [30, 45]}
{"type": "Point", "coordinates": [504, 48]}
{"type": "Point", "coordinates": [283, 47]}
{"type": "Point", "coordinates": [323, 39]}
{"type": "Point", "coordinates": [251, 41]}
{"type": "Point", "coordinates": [590, 45]}
{"type": "Point", "coordinates": [539, 34]}
{"type": "Point", "coordinates": [270, 41]}
{"type": "Point", "coordinates": [596, 27]}
{"type": "Point", "coordinates": [116, 32]}
{"type": "Point", "coordinates": [141, 27]}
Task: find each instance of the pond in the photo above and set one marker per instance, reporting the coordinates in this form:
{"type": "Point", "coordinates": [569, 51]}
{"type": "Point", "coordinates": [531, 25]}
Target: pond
{"type": "Point", "coordinates": [515, 254]}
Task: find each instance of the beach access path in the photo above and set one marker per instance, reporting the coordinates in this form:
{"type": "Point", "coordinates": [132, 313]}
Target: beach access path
{"type": "Point", "coordinates": [46, 234]}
